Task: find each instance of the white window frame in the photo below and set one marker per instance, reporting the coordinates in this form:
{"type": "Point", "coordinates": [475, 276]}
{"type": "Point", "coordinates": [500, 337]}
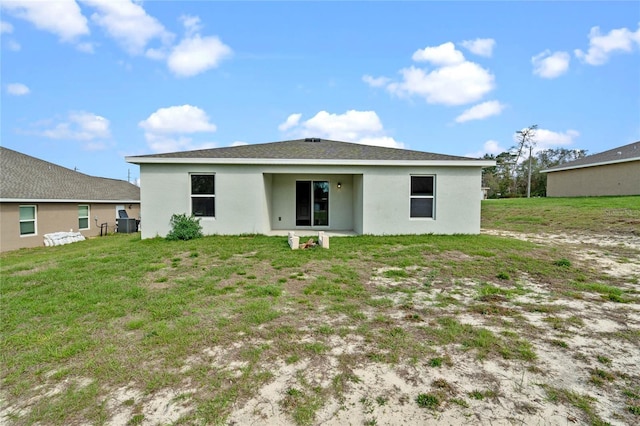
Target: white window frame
{"type": "Point", "coordinates": [34, 220]}
{"type": "Point", "coordinates": [432, 197]}
{"type": "Point", "coordinates": [88, 217]}
{"type": "Point", "coordinates": [192, 195]}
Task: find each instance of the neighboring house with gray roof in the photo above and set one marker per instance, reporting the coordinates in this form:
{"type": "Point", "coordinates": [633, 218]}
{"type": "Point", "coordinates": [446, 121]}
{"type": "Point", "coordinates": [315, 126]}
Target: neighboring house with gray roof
{"type": "Point", "coordinates": [38, 197]}
{"type": "Point", "coordinates": [613, 172]}
{"type": "Point", "coordinates": [312, 185]}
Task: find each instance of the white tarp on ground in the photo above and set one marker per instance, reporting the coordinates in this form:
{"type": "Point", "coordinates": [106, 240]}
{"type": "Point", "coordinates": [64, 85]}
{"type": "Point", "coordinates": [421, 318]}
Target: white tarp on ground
{"type": "Point", "coordinates": [61, 238]}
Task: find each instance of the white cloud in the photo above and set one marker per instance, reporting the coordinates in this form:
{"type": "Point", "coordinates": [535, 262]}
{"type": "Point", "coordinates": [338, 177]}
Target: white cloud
{"type": "Point", "coordinates": [85, 47]}
{"type": "Point", "coordinates": [157, 54]}
{"type": "Point", "coordinates": [191, 24]}
{"type": "Point", "coordinates": [489, 147]}
{"type": "Point", "coordinates": [82, 126]}
{"type": "Point", "coordinates": [480, 46]}
{"type": "Point", "coordinates": [173, 143]}
{"type": "Point", "coordinates": [291, 121]}
{"type": "Point", "coordinates": [481, 111]}
{"type": "Point", "coordinates": [178, 119]}
{"type": "Point", "coordinates": [197, 54]}
{"type": "Point", "coordinates": [362, 127]}
{"type": "Point", "coordinates": [548, 139]}
{"type": "Point", "coordinates": [239, 143]}
{"type": "Point", "coordinates": [452, 80]}
{"type": "Point", "coordinates": [550, 65]}
{"type": "Point", "coordinates": [545, 139]}
{"type": "Point", "coordinates": [5, 27]}
{"type": "Point", "coordinates": [383, 141]}
{"type": "Point", "coordinates": [194, 54]}
{"type": "Point", "coordinates": [375, 81]}
{"type": "Point", "coordinates": [493, 147]}
{"type": "Point", "coordinates": [165, 129]}
{"type": "Point", "coordinates": [128, 23]}
{"type": "Point", "coordinates": [445, 54]}
{"type": "Point", "coordinates": [17, 89]}
{"type": "Point", "coordinates": [602, 46]}
{"type": "Point", "coordinates": [13, 45]}
{"type": "Point", "coordinates": [458, 84]}
{"type": "Point", "coordinates": [349, 125]}
{"type": "Point", "coordinates": [61, 17]}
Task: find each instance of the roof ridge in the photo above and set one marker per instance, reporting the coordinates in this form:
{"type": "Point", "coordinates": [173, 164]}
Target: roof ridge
{"type": "Point", "coordinates": [307, 149]}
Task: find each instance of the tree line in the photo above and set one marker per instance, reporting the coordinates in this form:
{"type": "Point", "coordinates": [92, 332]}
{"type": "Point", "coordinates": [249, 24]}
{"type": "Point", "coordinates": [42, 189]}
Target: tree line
{"type": "Point", "coordinates": [517, 170]}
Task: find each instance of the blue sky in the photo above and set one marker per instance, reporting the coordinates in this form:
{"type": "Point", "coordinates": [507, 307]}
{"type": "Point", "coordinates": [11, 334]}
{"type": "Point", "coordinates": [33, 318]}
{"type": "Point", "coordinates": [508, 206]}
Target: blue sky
{"type": "Point", "coordinates": [86, 83]}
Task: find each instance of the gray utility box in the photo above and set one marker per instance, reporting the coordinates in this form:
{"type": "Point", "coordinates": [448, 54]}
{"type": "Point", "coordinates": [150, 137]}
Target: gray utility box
{"type": "Point", "coordinates": [126, 225]}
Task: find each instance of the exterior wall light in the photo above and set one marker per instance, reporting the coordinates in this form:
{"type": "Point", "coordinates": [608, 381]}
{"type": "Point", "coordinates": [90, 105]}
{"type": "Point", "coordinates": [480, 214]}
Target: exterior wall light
{"type": "Point", "coordinates": [339, 185]}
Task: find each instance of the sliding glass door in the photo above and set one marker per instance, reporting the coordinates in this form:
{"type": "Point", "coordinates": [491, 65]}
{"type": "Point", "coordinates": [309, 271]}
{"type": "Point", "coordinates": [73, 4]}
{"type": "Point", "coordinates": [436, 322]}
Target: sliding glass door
{"type": "Point", "coordinates": [312, 203]}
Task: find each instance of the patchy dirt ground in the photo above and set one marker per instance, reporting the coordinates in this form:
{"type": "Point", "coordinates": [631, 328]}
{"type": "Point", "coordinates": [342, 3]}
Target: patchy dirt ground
{"type": "Point", "coordinates": [586, 367]}
{"type": "Point", "coordinates": [570, 357]}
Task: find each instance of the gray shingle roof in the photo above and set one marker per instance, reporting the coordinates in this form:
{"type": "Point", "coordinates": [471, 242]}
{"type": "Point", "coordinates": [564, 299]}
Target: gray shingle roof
{"type": "Point", "coordinates": [24, 177]}
{"type": "Point", "coordinates": [304, 149]}
{"type": "Point", "coordinates": [624, 153]}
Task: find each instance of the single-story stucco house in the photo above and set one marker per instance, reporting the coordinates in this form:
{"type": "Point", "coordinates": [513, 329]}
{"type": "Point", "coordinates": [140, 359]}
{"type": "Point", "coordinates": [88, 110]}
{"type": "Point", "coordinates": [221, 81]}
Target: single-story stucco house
{"type": "Point", "coordinates": [612, 172]}
{"type": "Point", "coordinates": [311, 185]}
{"type": "Point", "coordinates": [38, 198]}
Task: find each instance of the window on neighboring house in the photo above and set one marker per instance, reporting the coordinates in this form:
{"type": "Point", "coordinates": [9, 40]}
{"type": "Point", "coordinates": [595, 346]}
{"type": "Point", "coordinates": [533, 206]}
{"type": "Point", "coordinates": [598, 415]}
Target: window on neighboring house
{"type": "Point", "coordinates": [422, 196]}
{"type": "Point", "coordinates": [83, 217]}
{"type": "Point", "coordinates": [203, 195]}
{"type": "Point", "coordinates": [27, 220]}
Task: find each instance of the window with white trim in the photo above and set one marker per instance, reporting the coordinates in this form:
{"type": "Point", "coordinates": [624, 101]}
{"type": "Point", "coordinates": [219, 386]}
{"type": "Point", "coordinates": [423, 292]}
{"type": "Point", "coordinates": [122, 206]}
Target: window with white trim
{"type": "Point", "coordinates": [28, 215]}
{"type": "Point", "coordinates": [203, 195]}
{"type": "Point", "coordinates": [83, 216]}
{"type": "Point", "coordinates": [422, 196]}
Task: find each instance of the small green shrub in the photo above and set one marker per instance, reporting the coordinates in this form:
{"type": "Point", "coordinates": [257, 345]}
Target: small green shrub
{"type": "Point", "coordinates": [136, 420]}
{"type": "Point", "coordinates": [562, 262]}
{"type": "Point", "coordinates": [435, 362]}
{"type": "Point", "coordinates": [294, 392]}
{"type": "Point", "coordinates": [631, 394]}
{"type": "Point", "coordinates": [503, 276]}
{"type": "Point", "coordinates": [480, 395]}
{"type": "Point", "coordinates": [427, 400]}
{"type": "Point", "coordinates": [459, 401]}
{"type": "Point", "coordinates": [184, 227]}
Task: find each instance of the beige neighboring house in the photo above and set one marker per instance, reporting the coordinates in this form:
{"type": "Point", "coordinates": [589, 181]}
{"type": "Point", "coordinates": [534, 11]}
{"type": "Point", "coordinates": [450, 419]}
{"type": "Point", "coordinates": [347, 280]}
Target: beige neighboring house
{"type": "Point", "coordinates": [613, 172]}
{"type": "Point", "coordinates": [38, 198]}
{"type": "Point", "coordinates": [310, 185]}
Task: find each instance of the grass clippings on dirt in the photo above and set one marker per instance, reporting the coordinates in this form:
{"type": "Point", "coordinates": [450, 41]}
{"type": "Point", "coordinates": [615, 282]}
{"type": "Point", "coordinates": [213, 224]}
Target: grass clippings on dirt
{"type": "Point", "coordinates": [516, 328]}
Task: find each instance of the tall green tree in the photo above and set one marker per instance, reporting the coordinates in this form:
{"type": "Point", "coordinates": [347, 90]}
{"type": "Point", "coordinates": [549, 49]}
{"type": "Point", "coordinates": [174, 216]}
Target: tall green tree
{"type": "Point", "coordinates": [510, 179]}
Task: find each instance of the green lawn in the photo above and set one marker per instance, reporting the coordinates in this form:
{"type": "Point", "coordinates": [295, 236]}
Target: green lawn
{"type": "Point", "coordinates": [82, 320]}
{"type": "Point", "coordinates": [595, 214]}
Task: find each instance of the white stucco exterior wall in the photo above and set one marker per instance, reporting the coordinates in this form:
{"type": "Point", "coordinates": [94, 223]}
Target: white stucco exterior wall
{"type": "Point", "coordinates": [357, 204]}
{"type": "Point", "coordinates": [241, 199]}
{"type": "Point", "coordinates": [386, 195]}
{"type": "Point", "coordinates": [260, 198]}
